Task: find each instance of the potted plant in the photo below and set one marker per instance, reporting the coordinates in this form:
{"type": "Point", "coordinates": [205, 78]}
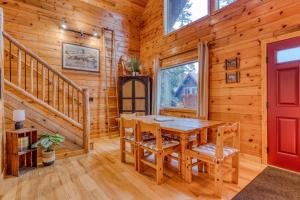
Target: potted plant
{"type": "Point", "coordinates": [134, 64]}
{"type": "Point", "coordinates": [48, 141]}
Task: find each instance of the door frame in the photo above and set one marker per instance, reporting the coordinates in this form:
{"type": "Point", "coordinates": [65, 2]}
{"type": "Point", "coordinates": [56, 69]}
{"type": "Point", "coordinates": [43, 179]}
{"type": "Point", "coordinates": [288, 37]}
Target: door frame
{"type": "Point", "coordinates": [264, 67]}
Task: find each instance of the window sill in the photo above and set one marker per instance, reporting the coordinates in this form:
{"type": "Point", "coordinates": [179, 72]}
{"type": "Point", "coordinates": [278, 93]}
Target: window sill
{"type": "Point", "coordinates": [179, 112]}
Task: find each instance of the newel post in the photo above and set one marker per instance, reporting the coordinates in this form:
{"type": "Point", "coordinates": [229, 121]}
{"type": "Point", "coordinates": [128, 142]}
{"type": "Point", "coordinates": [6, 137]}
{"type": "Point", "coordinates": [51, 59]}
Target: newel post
{"type": "Point", "coordinates": [86, 119]}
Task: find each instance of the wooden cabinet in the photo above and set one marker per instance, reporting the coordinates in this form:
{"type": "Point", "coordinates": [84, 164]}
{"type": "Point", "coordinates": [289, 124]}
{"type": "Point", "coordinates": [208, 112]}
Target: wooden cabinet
{"type": "Point", "coordinates": [20, 156]}
{"type": "Point", "coordinates": [135, 94]}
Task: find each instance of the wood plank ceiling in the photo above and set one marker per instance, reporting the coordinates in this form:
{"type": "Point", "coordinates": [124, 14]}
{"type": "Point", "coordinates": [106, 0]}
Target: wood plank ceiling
{"type": "Point", "coordinates": [124, 7]}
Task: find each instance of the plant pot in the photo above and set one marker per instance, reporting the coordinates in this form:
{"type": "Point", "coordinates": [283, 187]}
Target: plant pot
{"type": "Point", "coordinates": [135, 73]}
{"type": "Point", "coordinates": [48, 158]}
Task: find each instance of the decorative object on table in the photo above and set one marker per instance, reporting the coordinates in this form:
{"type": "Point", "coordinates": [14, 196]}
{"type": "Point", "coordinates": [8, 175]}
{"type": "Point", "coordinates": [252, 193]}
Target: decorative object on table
{"type": "Point", "coordinates": [19, 118]}
{"type": "Point", "coordinates": [232, 64]}
{"type": "Point", "coordinates": [134, 94]}
{"type": "Point", "coordinates": [232, 77]}
{"type": "Point", "coordinates": [20, 156]}
{"type": "Point", "coordinates": [135, 65]}
{"type": "Point", "coordinates": [48, 141]}
{"type": "Point", "coordinates": [163, 119]}
{"type": "Point", "coordinates": [81, 58]}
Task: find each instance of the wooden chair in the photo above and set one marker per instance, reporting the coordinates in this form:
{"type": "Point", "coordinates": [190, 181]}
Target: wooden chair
{"type": "Point", "coordinates": [159, 147]}
{"type": "Point", "coordinates": [194, 139]}
{"type": "Point", "coordinates": [216, 154]}
{"type": "Point", "coordinates": [127, 135]}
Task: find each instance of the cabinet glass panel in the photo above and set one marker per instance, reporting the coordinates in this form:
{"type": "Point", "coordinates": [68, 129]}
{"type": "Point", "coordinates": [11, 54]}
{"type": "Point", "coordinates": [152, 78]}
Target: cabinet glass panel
{"type": "Point", "coordinates": [139, 89]}
{"type": "Point", "coordinates": [127, 89]}
{"type": "Point", "coordinates": [140, 104]}
{"type": "Point", "coordinates": [127, 104]}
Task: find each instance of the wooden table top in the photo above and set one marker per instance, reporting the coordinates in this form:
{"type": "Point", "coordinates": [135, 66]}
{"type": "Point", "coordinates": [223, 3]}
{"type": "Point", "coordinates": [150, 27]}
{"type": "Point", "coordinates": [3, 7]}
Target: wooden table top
{"type": "Point", "coordinates": [181, 125]}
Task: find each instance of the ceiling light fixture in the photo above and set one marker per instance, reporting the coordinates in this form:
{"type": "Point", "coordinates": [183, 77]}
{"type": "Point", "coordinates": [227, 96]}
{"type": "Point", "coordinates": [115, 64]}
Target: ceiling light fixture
{"type": "Point", "coordinates": [64, 26]}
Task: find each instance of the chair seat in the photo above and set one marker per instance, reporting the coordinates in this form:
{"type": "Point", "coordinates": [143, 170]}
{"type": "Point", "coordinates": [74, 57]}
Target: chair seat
{"type": "Point", "coordinates": [165, 144]}
{"type": "Point", "coordinates": [210, 150]}
{"type": "Point", "coordinates": [131, 138]}
{"type": "Point", "coordinates": [177, 137]}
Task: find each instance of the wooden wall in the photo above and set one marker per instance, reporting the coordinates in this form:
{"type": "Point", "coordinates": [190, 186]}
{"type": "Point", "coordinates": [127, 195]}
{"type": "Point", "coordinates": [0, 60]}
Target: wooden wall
{"type": "Point", "coordinates": [35, 23]}
{"type": "Point", "coordinates": [235, 31]}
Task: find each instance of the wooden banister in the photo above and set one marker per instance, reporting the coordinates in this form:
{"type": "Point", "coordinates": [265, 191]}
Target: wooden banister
{"type": "Point", "coordinates": [54, 91]}
{"type": "Point", "coordinates": [42, 61]}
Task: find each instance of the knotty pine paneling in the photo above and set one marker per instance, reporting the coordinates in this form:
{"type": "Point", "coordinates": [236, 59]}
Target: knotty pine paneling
{"type": "Point", "coordinates": [234, 31]}
{"type": "Point", "coordinates": [35, 23]}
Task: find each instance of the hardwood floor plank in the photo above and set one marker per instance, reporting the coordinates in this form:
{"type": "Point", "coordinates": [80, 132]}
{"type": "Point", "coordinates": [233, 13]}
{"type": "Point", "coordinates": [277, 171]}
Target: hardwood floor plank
{"type": "Point", "coordinates": [101, 175]}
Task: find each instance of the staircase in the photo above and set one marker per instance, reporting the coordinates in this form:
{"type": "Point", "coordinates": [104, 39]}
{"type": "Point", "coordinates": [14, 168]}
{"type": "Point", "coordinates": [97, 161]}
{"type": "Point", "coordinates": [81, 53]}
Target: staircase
{"type": "Point", "coordinates": [52, 101]}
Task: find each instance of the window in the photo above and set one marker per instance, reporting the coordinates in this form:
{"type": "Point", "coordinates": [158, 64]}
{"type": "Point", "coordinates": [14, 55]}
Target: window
{"type": "Point", "coordinates": [288, 55]}
{"type": "Point", "coordinates": [179, 13]}
{"type": "Point", "coordinates": [179, 86]}
{"type": "Point", "coordinates": [223, 3]}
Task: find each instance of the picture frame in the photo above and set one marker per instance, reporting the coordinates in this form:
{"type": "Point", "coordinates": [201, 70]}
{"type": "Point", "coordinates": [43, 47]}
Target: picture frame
{"type": "Point", "coordinates": [80, 58]}
{"type": "Point", "coordinates": [232, 77]}
{"type": "Point", "coordinates": [232, 64]}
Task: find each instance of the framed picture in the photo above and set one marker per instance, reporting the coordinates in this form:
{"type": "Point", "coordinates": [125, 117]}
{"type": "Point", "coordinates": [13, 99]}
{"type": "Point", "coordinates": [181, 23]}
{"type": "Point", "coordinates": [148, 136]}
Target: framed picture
{"type": "Point", "coordinates": [76, 57]}
{"type": "Point", "coordinates": [233, 63]}
{"type": "Point", "coordinates": [232, 77]}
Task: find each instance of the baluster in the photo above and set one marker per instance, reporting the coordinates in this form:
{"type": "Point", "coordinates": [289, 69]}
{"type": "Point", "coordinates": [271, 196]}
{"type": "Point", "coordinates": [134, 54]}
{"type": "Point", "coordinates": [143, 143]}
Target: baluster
{"type": "Point", "coordinates": [54, 91]}
{"type": "Point", "coordinates": [68, 100]}
{"type": "Point", "coordinates": [31, 76]}
{"type": "Point", "coordinates": [19, 66]}
{"type": "Point", "coordinates": [10, 58]}
{"type": "Point", "coordinates": [64, 97]}
{"type": "Point", "coordinates": [43, 83]}
{"type": "Point", "coordinates": [73, 110]}
{"type": "Point", "coordinates": [58, 93]}
{"type": "Point", "coordinates": [37, 79]}
{"type": "Point", "coordinates": [48, 85]}
{"type": "Point", "coordinates": [25, 71]}
{"type": "Point", "coordinates": [78, 106]}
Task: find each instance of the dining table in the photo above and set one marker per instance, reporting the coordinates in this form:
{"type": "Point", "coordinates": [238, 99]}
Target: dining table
{"type": "Point", "coordinates": [182, 127]}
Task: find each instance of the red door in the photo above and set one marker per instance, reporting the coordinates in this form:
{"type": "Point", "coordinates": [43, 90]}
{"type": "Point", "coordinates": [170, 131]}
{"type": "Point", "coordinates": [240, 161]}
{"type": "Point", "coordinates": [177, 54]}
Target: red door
{"type": "Point", "coordinates": [284, 104]}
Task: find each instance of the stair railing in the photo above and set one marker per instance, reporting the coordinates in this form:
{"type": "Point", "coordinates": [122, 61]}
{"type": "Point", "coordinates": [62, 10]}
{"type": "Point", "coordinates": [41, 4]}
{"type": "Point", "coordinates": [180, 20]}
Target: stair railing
{"type": "Point", "coordinates": [29, 74]}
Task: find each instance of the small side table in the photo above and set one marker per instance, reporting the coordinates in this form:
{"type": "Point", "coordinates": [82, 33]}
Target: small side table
{"type": "Point", "coordinates": [19, 154]}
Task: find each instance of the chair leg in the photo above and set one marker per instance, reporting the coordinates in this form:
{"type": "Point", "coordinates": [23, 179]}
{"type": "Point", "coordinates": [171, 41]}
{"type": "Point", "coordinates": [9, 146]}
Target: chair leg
{"type": "Point", "coordinates": [135, 157]}
{"type": "Point", "coordinates": [189, 168]}
{"type": "Point", "coordinates": [140, 156]}
{"type": "Point", "coordinates": [218, 179]}
{"type": "Point", "coordinates": [235, 165]}
{"type": "Point", "coordinates": [123, 150]}
{"type": "Point", "coordinates": [132, 148]}
{"type": "Point", "coordinates": [159, 168]}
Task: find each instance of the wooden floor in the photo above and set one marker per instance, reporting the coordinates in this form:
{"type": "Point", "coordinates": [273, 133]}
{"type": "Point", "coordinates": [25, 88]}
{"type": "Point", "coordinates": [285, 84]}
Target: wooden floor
{"type": "Point", "coordinates": [101, 175]}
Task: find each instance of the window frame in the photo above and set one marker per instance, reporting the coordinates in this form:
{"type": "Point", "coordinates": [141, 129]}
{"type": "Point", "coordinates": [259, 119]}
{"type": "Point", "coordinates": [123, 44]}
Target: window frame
{"type": "Point", "coordinates": [212, 10]}
{"type": "Point", "coordinates": [174, 108]}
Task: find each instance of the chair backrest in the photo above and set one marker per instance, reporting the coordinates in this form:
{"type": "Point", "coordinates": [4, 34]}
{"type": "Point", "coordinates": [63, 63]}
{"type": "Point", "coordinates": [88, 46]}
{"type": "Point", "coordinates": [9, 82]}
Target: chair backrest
{"type": "Point", "coordinates": [127, 121]}
{"type": "Point", "coordinates": [149, 128]}
{"type": "Point", "coordinates": [226, 132]}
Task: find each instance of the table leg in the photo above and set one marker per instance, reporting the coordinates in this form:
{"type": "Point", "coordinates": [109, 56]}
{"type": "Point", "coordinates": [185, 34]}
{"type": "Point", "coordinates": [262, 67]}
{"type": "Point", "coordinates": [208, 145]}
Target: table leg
{"type": "Point", "coordinates": [183, 143]}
